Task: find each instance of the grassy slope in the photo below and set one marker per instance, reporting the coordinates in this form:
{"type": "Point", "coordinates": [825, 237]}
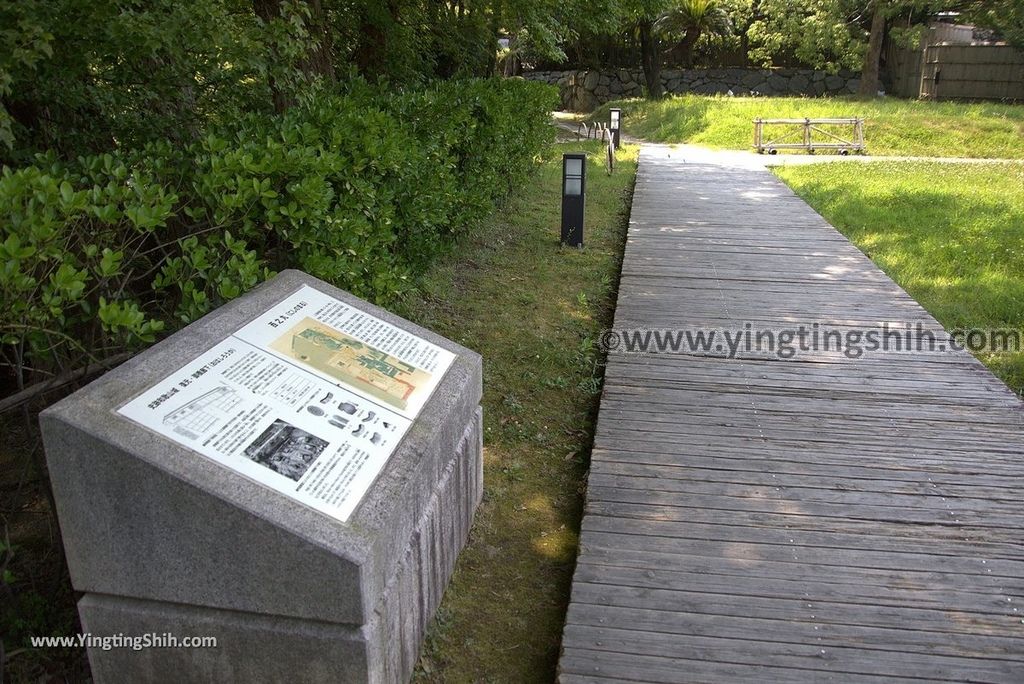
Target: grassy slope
{"type": "Point", "coordinates": [893, 126]}
{"type": "Point", "coordinates": [951, 234]}
{"type": "Point", "coordinates": [532, 309]}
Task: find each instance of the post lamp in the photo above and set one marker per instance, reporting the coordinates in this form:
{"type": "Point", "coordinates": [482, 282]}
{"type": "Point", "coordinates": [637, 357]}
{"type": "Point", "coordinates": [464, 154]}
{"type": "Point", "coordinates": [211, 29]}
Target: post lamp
{"type": "Point", "coordinates": [574, 174]}
{"type": "Point", "coordinates": [615, 124]}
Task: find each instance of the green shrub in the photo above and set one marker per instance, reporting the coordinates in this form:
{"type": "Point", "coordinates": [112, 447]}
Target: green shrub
{"type": "Point", "coordinates": [78, 255]}
{"type": "Point", "coordinates": [362, 189]}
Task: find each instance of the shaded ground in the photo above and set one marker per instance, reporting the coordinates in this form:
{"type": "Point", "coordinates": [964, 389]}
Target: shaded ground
{"type": "Point", "coordinates": [533, 310]}
{"type": "Point", "coordinates": [35, 592]}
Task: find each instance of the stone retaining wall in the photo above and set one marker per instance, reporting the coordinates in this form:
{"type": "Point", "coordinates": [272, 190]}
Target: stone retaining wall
{"type": "Point", "coordinates": [584, 91]}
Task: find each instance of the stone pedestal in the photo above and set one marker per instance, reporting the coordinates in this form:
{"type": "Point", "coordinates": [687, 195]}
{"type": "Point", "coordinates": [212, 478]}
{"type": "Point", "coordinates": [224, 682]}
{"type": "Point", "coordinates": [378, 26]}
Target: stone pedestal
{"type": "Point", "coordinates": [165, 541]}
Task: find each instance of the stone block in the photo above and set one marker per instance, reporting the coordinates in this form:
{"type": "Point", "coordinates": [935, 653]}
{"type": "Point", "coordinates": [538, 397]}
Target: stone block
{"type": "Point", "coordinates": [778, 83]}
{"type": "Point", "coordinates": [751, 78]}
{"type": "Point", "coordinates": [834, 83]}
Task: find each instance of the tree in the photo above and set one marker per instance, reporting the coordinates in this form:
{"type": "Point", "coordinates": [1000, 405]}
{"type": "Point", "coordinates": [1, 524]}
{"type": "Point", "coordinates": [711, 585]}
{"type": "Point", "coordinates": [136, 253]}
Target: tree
{"type": "Point", "coordinates": [650, 57]}
{"type": "Point", "coordinates": [825, 34]}
{"type": "Point", "coordinates": [23, 43]}
{"type": "Point", "coordinates": [1006, 17]}
{"type": "Point", "coordinates": [638, 17]}
{"type": "Point", "coordinates": [742, 15]}
{"type": "Point", "coordinates": [542, 29]}
{"type": "Point", "coordinates": [692, 19]}
{"type": "Point", "coordinates": [869, 83]}
{"type": "Point", "coordinates": [129, 72]}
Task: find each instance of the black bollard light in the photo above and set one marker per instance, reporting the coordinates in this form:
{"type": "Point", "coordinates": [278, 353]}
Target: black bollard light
{"type": "Point", "coordinates": [574, 175]}
{"type": "Point", "coordinates": [615, 124]}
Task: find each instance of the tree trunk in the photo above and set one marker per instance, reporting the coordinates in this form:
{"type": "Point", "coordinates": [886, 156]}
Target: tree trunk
{"type": "Point", "coordinates": [650, 60]}
{"type": "Point", "coordinates": [513, 65]}
{"type": "Point", "coordinates": [268, 11]}
{"type": "Point", "coordinates": [755, 16]}
{"type": "Point", "coordinates": [869, 83]}
{"type": "Point", "coordinates": [510, 57]}
{"type": "Point", "coordinates": [687, 44]}
{"type": "Point", "coordinates": [370, 55]}
{"type": "Point", "coordinates": [320, 60]}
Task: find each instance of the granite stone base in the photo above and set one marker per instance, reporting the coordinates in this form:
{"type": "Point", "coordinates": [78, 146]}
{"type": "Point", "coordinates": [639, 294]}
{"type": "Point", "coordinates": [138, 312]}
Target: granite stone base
{"type": "Point", "coordinates": [263, 648]}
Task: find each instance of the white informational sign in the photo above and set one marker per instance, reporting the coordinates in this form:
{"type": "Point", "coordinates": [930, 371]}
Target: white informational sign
{"type": "Point", "coordinates": [310, 399]}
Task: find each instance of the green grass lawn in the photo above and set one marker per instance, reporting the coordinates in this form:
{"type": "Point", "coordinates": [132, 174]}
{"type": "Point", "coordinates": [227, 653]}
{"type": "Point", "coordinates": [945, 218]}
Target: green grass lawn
{"type": "Point", "coordinates": [533, 310]}
{"type": "Point", "coordinates": [893, 126]}
{"type": "Point", "coordinates": [952, 235]}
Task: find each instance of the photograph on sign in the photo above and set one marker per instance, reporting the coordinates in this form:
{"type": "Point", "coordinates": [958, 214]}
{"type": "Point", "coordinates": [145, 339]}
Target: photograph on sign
{"type": "Point", "coordinates": [286, 449]}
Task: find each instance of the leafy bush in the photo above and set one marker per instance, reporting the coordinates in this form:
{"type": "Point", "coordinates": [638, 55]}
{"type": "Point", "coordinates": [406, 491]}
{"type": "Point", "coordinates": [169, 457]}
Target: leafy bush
{"type": "Point", "coordinates": [77, 259]}
{"type": "Point", "coordinates": [361, 189]}
{"type": "Point", "coordinates": [364, 189]}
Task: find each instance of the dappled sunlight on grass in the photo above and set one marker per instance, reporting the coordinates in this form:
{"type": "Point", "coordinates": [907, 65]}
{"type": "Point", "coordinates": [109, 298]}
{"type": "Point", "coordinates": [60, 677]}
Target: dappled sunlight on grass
{"type": "Point", "coordinates": [952, 235]}
{"type": "Point", "coordinates": [555, 540]}
{"type": "Point", "coordinates": [532, 310]}
{"type": "Point", "coordinates": [559, 545]}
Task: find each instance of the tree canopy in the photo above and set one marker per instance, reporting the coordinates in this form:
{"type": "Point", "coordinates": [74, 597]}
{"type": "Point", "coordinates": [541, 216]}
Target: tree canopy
{"type": "Point", "coordinates": [81, 76]}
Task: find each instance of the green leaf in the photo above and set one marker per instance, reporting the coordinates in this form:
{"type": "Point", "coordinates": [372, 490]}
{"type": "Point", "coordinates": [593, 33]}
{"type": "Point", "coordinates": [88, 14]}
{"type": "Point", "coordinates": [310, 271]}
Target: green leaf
{"type": "Point", "coordinates": [67, 193]}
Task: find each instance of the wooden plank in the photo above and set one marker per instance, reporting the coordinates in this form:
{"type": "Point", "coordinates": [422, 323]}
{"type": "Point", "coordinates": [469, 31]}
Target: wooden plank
{"type": "Point", "coordinates": [779, 527]}
{"type": "Point", "coordinates": [976, 634]}
{"type": "Point", "coordinates": [751, 553]}
{"type": "Point", "coordinates": [904, 646]}
{"type": "Point", "coordinates": [602, 664]}
{"type": "Point", "coordinates": [995, 489]}
{"type": "Point", "coordinates": [857, 507]}
{"type": "Point", "coordinates": [811, 660]}
{"type": "Point", "coordinates": [873, 588]}
{"type": "Point", "coordinates": [817, 490]}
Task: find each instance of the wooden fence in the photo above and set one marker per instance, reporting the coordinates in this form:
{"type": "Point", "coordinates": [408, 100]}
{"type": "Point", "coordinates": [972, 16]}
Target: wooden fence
{"type": "Point", "coordinates": [968, 72]}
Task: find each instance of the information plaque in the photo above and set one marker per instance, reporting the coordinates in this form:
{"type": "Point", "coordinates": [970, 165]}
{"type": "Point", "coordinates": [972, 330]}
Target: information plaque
{"type": "Point", "coordinates": [310, 399]}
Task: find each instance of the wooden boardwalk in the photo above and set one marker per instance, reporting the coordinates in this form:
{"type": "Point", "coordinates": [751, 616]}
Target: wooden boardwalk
{"type": "Point", "coordinates": [822, 518]}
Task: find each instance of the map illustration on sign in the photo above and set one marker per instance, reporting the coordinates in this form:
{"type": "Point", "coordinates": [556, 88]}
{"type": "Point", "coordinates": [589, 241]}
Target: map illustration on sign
{"type": "Point", "coordinates": [353, 362]}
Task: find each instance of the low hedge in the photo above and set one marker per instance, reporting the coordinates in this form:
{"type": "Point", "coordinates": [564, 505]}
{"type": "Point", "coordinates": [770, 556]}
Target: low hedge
{"type": "Point", "coordinates": [361, 189]}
